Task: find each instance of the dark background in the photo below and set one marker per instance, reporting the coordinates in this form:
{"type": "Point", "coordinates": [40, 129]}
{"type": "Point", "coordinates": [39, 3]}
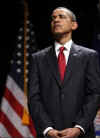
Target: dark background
{"type": "Point", "coordinates": [86, 12]}
{"type": "Point", "coordinates": [40, 11]}
{"type": "Point", "coordinates": [12, 15]}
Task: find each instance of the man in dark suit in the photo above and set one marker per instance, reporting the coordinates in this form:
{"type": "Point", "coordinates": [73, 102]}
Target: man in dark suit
{"type": "Point", "coordinates": [64, 90]}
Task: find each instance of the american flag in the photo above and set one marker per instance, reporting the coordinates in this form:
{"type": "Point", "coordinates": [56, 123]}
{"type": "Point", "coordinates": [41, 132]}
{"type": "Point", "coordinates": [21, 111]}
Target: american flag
{"type": "Point", "coordinates": [13, 101]}
{"type": "Point", "coordinates": [97, 124]}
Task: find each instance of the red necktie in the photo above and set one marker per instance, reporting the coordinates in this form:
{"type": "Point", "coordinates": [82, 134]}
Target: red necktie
{"type": "Point", "coordinates": [61, 62]}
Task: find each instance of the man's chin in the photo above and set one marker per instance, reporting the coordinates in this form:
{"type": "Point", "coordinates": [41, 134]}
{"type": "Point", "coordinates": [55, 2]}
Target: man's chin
{"type": "Point", "coordinates": [57, 34]}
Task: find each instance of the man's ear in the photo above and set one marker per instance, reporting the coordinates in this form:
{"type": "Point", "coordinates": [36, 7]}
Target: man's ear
{"type": "Point", "coordinates": [74, 25]}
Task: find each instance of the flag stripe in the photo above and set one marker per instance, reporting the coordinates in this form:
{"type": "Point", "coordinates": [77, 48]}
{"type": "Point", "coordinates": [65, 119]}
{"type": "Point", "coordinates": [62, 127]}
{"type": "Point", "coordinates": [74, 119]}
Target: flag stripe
{"type": "Point", "coordinates": [16, 91]}
{"type": "Point", "coordinates": [13, 102]}
{"type": "Point", "coordinates": [11, 129]}
{"type": "Point", "coordinates": [97, 136]}
{"type": "Point", "coordinates": [15, 120]}
{"type": "Point", "coordinates": [3, 131]}
{"type": "Point", "coordinates": [17, 108]}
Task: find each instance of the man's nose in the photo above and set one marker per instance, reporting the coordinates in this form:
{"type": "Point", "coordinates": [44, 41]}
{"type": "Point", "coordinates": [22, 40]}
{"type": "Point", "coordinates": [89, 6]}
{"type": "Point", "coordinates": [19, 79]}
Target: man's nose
{"type": "Point", "coordinates": [57, 18]}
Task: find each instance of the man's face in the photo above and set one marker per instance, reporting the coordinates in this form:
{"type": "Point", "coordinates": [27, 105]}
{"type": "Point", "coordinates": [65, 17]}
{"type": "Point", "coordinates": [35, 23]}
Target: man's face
{"type": "Point", "coordinates": [61, 22]}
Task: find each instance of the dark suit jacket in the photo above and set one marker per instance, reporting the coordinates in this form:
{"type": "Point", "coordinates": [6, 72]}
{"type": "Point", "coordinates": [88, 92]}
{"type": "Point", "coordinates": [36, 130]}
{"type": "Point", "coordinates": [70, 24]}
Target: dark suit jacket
{"type": "Point", "coordinates": [63, 105]}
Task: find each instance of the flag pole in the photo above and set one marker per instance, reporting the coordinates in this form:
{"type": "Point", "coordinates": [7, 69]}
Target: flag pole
{"type": "Point", "coordinates": [25, 116]}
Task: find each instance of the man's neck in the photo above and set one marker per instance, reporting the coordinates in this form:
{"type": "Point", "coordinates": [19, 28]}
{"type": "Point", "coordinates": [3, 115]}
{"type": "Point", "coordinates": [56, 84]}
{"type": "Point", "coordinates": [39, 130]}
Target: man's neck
{"type": "Point", "coordinates": [63, 39]}
{"type": "Point", "coordinates": [62, 42]}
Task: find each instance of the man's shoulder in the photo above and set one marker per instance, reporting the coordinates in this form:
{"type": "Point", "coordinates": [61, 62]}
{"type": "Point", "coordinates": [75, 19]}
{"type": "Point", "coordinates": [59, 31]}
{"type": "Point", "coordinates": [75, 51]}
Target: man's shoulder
{"type": "Point", "coordinates": [84, 49]}
{"type": "Point", "coordinates": [42, 52]}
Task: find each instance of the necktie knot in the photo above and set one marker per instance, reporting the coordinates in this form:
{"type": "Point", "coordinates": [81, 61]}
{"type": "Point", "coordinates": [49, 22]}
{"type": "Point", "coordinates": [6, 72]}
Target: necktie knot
{"type": "Point", "coordinates": [61, 49]}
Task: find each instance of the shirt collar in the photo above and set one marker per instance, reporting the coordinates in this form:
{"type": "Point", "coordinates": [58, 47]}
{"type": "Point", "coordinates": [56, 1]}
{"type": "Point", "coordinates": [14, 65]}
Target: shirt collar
{"type": "Point", "coordinates": [67, 45]}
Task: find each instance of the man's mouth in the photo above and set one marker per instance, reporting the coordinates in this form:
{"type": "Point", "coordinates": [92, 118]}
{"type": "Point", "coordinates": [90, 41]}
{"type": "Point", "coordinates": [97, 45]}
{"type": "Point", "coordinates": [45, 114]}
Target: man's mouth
{"type": "Point", "coordinates": [57, 25]}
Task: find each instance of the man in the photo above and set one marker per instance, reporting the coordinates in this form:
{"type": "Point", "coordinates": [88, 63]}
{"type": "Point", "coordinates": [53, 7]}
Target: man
{"type": "Point", "coordinates": [64, 86]}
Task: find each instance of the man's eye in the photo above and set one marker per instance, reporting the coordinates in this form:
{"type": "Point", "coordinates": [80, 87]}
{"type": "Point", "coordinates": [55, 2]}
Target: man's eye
{"type": "Point", "coordinates": [59, 16]}
{"type": "Point", "coordinates": [62, 16]}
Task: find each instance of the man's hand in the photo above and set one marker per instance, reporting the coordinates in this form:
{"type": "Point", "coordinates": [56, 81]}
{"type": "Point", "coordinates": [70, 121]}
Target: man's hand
{"type": "Point", "coordinates": [70, 133]}
{"type": "Point", "coordinates": [53, 133]}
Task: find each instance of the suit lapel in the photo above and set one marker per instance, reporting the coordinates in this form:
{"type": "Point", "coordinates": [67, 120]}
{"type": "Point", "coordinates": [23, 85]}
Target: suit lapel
{"type": "Point", "coordinates": [52, 62]}
{"type": "Point", "coordinates": [72, 63]}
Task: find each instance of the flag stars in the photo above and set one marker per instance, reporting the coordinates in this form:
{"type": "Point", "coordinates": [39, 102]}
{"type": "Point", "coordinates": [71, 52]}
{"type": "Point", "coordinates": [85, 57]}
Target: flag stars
{"type": "Point", "coordinates": [19, 37]}
{"type": "Point", "coordinates": [27, 71]}
{"type": "Point", "coordinates": [27, 54]}
{"type": "Point", "coordinates": [19, 54]}
{"type": "Point", "coordinates": [19, 62]}
{"type": "Point", "coordinates": [19, 45]}
{"type": "Point", "coordinates": [27, 46]}
{"type": "Point", "coordinates": [18, 70]}
{"type": "Point", "coordinates": [27, 38]}
{"type": "Point", "coordinates": [27, 30]}
{"type": "Point", "coordinates": [27, 63]}
{"type": "Point", "coordinates": [32, 33]}
{"type": "Point", "coordinates": [21, 29]}
{"type": "Point", "coordinates": [26, 80]}
{"type": "Point", "coordinates": [27, 21]}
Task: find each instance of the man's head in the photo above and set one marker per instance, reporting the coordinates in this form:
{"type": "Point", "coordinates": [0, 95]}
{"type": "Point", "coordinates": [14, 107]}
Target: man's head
{"type": "Point", "coordinates": [63, 21]}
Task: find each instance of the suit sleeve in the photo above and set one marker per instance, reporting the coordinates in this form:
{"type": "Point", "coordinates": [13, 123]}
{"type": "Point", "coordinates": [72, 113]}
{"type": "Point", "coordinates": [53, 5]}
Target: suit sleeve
{"type": "Point", "coordinates": [36, 109]}
{"type": "Point", "coordinates": [92, 97]}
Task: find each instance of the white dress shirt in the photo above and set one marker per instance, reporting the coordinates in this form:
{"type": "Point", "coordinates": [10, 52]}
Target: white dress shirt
{"type": "Point", "coordinates": [66, 53]}
{"type": "Point", "coordinates": [66, 50]}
